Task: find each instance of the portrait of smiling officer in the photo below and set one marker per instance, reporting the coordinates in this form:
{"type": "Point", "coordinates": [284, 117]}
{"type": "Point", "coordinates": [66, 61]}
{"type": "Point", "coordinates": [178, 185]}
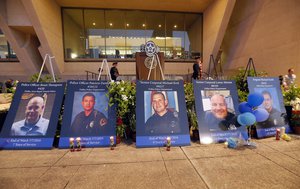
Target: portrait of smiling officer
{"type": "Point", "coordinates": [219, 118]}
{"type": "Point", "coordinates": [33, 124]}
{"type": "Point", "coordinates": [164, 120]}
{"type": "Point", "coordinates": [89, 122]}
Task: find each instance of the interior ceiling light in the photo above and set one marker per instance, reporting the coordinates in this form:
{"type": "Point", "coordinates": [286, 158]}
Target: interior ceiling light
{"type": "Point", "coordinates": [94, 24]}
{"type": "Point", "coordinates": [159, 25]}
{"type": "Point", "coordinates": [110, 24]}
{"type": "Point", "coordinates": [175, 26]}
{"type": "Point", "coordinates": [127, 25]}
{"type": "Point", "coordinates": [144, 25]}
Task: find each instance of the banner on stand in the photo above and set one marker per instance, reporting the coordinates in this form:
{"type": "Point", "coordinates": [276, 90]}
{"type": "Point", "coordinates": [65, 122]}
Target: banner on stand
{"type": "Point", "coordinates": [161, 113]}
{"type": "Point", "coordinates": [87, 114]}
{"type": "Point", "coordinates": [32, 119]}
{"type": "Point", "coordinates": [217, 110]}
{"type": "Point", "coordinates": [269, 87]}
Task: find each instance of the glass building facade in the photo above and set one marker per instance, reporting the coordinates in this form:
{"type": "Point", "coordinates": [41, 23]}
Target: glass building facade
{"type": "Point", "coordinates": [118, 34]}
{"type": "Point", "coordinates": [6, 52]}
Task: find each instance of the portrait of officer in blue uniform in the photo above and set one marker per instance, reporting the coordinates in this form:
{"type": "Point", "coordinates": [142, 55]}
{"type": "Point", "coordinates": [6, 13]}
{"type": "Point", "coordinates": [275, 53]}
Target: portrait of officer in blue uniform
{"type": "Point", "coordinates": [276, 118]}
{"type": "Point", "coordinates": [89, 122]}
{"type": "Point", "coordinates": [164, 120]}
{"type": "Point", "coordinates": [219, 118]}
{"type": "Point", "coordinates": [33, 124]}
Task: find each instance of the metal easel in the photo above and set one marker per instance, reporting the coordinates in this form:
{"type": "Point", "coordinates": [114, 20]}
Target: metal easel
{"type": "Point", "coordinates": [104, 63]}
{"type": "Point", "coordinates": [51, 67]}
{"type": "Point", "coordinates": [155, 56]}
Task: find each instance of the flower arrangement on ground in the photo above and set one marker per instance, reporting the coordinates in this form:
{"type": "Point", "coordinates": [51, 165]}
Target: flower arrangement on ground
{"type": "Point", "coordinates": [190, 106]}
{"type": "Point", "coordinates": [122, 93]}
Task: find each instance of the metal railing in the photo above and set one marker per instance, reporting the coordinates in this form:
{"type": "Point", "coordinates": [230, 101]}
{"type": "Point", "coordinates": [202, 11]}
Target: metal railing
{"type": "Point", "coordinates": [94, 76]}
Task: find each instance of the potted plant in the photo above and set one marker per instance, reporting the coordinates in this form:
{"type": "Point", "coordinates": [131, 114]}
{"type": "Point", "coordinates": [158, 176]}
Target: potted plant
{"type": "Point", "coordinates": [190, 106]}
{"type": "Point", "coordinates": [241, 81]}
{"type": "Point", "coordinates": [122, 93]}
{"type": "Point", "coordinates": [291, 99]}
{"type": "Point", "coordinates": [295, 122]}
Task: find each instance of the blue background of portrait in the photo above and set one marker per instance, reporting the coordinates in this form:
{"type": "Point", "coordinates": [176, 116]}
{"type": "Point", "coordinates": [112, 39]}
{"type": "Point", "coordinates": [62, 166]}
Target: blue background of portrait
{"type": "Point", "coordinates": [143, 103]}
{"type": "Point", "coordinates": [75, 90]}
{"type": "Point", "coordinates": [32, 142]}
{"type": "Point", "coordinates": [206, 135]}
{"type": "Point", "coordinates": [271, 84]}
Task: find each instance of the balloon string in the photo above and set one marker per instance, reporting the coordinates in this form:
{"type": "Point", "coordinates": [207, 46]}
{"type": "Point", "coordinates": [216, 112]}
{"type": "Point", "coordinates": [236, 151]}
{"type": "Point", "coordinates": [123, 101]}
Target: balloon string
{"type": "Point", "coordinates": [249, 135]}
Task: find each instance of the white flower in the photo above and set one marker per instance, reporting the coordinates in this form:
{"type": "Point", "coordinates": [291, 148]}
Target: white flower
{"type": "Point", "coordinates": [112, 81]}
{"type": "Point", "coordinates": [124, 97]}
{"type": "Point", "coordinates": [118, 82]}
{"type": "Point", "coordinates": [122, 89]}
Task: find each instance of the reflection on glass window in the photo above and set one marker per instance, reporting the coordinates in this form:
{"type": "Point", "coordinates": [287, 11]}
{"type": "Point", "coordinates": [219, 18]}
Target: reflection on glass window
{"type": "Point", "coordinates": [115, 34]}
{"type": "Point", "coordinates": [135, 32]}
{"type": "Point", "coordinates": [6, 52]}
{"type": "Point", "coordinates": [193, 37]}
{"type": "Point", "coordinates": [155, 24]}
{"type": "Point", "coordinates": [74, 36]}
{"type": "Point", "coordinates": [175, 35]}
{"type": "Point", "coordinates": [96, 33]}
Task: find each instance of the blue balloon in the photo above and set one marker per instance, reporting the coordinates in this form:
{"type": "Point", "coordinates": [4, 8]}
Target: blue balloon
{"type": "Point", "coordinates": [261, 114]}
{"type": "Point", "coordinates": [245, 107]}
{"type": "Point", "coordinates": [246, 119]}
{"type": "Point", "coordinates": [239, 120]}
{"type": "Point", "coordinates": [255, 99]}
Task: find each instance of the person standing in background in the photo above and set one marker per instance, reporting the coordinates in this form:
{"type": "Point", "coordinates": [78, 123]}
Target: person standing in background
{"type": "Point", "coordinates": [289, 79]}
{"type": "Point", "coordinates": [114, 72]}
{"type": "Point", "coordinates": [197, 68]}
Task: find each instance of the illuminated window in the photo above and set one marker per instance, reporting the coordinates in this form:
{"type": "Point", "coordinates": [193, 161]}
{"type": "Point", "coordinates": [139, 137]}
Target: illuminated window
{"type": "Point", "coordinates": [6, 52]}
{"type": "Point", "coordinates": [118, 34]}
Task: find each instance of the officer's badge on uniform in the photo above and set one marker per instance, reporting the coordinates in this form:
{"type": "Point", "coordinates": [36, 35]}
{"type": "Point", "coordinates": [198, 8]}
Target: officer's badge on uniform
{"type": "Point", "coordinates": [91, 124]}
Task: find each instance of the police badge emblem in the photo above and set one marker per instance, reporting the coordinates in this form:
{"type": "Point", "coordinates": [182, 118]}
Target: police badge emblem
{"type": "Point", "coordinates": [148, 61]}
{"type": "Point", "coordinates": [91, 125]}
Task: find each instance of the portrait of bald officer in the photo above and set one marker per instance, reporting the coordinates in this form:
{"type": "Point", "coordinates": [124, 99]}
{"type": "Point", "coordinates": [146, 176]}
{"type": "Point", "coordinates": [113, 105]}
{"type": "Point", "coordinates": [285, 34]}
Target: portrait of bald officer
{"type": "Point", "coordinates": [89, 122]}
{"type": "Point", "coordinates": [219, 118]}
{"type": "Point", "coordinates": [164, 120]}
{"type": "Point", "coordinates": [33, 124]}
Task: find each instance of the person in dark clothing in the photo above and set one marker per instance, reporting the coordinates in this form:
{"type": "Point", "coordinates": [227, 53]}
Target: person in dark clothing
{"type": "Point", "coordinates": [89, 122]}
{"type": "Point", "coordinates": [114, 73]}
{"type": "Point", "coordinates": [9, 84]}
{"type": "Point", "coordinates": [197, 68]}
{"type": "Point", "coordinates": [164, 120]}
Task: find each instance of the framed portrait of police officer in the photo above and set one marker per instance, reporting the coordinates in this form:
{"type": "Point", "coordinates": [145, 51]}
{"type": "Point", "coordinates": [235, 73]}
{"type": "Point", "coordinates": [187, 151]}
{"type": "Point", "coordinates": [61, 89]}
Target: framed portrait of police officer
{"type": "Point", "coordinates": [32, 117]}
{"type": "Point", "coordinates": [161, 113]}
{"type": "Point", "coordinates": [269, 88]}
{"type": "Point", "coordinates": [32, 120]}
{"type": "Point", "coordinates": [87, 114]}
{"type": "Point", "coordinates": [217, 110]}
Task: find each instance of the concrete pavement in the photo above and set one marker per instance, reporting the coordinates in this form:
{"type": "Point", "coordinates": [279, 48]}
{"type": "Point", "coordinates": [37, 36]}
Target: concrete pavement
{"type": "Point", "coordinates": [273, 164]}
